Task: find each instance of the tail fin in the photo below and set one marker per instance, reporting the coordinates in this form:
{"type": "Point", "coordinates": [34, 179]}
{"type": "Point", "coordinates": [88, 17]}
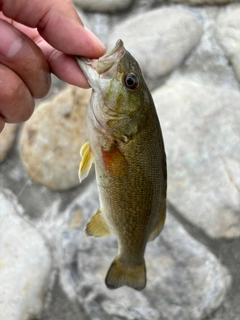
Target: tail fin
{"type": "Point", "coordinates": [120, 274]}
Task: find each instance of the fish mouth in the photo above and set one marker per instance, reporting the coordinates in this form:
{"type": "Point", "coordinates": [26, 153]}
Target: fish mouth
{"type": "Point", "coordinates": [106, 62]}
{"type": "Point", "coordinates": [103, 68]}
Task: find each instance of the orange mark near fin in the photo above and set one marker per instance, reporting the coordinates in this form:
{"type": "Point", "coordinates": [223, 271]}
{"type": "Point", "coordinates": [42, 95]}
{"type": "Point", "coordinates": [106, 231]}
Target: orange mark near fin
{"type": "Point", "coordinates": [114, 162]}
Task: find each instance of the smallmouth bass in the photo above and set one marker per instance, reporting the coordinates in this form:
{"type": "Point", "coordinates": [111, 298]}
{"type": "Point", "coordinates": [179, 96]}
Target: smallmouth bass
{"type": "Point", "coordinates": [126, 146]}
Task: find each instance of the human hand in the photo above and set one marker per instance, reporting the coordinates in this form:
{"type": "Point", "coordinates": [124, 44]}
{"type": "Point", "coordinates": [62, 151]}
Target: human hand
{"type": "Point", "coordinates": [39, 37]}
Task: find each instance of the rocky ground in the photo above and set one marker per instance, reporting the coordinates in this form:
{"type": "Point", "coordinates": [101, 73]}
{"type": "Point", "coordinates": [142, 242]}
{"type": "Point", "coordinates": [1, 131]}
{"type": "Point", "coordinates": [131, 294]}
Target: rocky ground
{"type": "Point", "coordinates": [49, 270]}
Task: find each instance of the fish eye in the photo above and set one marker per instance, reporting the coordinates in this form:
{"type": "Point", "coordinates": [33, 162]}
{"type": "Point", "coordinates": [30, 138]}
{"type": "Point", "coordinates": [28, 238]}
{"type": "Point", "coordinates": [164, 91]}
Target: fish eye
{"type": "Point", "coordinates": [131, 81]}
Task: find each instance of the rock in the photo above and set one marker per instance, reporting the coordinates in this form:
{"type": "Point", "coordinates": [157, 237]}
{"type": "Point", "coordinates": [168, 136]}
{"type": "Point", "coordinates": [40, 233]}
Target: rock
{"type": "Point", "coordinates": [61, 308]}
{"type": "Point", "coordinates": [25, 263]}
{"type": "Point", "coordinates": [76, 219]}
{"type": "Point", "coordinates": [229, 37]}
{"type": "Point", "coordinates": [159, 40]}
{"type": "Point", "coordinates": [202, 2]}
{"type": "Point", "coordinates": [50, 141]}
{"type": "Point", "coordinates": [201, 131]}
{"type": "Point", "coordinates": [103, 5]}
{"type": "Point", "coordinates": [100, 23]}
{"type": "Point", "coordinates": [7, 137]}
{"type": "Point", "coordinates": [185, 280]}
{"type": "Point", "coordinates": [208, 62]}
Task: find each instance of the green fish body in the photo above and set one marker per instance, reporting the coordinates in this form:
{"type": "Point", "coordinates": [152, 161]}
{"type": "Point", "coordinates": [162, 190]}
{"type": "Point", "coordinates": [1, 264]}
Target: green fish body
{"type": "Point", "coordinates": [126, 146]}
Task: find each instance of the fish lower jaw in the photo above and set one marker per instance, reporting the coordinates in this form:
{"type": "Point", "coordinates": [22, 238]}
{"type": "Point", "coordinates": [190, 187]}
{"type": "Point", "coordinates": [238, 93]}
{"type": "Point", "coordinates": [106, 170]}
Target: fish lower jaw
{"type": "Point", "coordinates": [94, 85]}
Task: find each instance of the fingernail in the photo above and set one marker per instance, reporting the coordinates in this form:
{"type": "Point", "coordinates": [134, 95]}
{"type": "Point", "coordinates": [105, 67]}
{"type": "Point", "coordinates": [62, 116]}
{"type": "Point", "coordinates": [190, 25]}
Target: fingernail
{"type": "Point", "coordinates": [11, 42]}
{"type": "Point", "coordinates": [95, 38]}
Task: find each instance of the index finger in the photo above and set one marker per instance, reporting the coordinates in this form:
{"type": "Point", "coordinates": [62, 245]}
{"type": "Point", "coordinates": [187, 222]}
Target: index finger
{"type": "Point", "coordinates": [58, 23]}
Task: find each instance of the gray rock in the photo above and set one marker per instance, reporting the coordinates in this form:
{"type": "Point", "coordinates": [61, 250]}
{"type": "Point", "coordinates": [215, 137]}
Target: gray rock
{"type": "Point", "coordinates": [7, 137]}
{"type": "Point", "coordinates": [103, 5]}
{"type": "Point", "coordinates": [25, 263]}
{"type": "Point", "coordinates": [62, 308]}
{"type": "Point", "coordinates": [51, 139]}
{"type": "Point", "coordinates": [160, 39]}
{"type": "Point", "coordinates": [208, 62]}
{"type": "Point", "coordinates": [185, 281]}
{"type": "Point", "coordinates": [100, 24]}
{"type": "Point", "coordinates": [201, 130]}
{"type": "Point", "coordinates": [229, 37]}
{"type": "Point", "coordinates": [202, 2]}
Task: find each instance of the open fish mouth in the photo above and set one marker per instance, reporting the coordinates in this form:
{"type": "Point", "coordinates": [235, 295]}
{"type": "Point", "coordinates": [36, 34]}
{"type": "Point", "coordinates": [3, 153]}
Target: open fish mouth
{"type": "Point", "coordinates": [106, 62]}
{"type": "Point", "coordinates": [103, 68]}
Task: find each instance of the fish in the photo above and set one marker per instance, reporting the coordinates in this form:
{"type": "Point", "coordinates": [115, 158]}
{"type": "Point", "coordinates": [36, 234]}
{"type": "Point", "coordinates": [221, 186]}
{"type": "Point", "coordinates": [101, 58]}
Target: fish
{"type": "Point", "coordinates": [126, 146]}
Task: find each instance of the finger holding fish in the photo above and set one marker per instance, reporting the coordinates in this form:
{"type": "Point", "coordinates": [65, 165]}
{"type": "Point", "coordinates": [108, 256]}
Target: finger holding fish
{"type": "Point", "coordinates": [39, 37]}
{"type": "Point", "coordinates": [21, 78]}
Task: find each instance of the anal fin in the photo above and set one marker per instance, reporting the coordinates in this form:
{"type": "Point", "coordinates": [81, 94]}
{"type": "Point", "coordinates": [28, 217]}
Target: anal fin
{"type": "Point", "coordinates": [86, 162]}
{"type": "Point", "coordinates": [97, 226]}
{"type": "Point", "coordinates": [160, 223]}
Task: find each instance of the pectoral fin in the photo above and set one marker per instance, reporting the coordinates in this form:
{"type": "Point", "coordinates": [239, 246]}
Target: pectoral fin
{"type": "Point", "coordinates": [160, 223]}
{"type": "Point", "coordinates": [86, 162]}
{"type": "Point", "coordinates": [97, 226]}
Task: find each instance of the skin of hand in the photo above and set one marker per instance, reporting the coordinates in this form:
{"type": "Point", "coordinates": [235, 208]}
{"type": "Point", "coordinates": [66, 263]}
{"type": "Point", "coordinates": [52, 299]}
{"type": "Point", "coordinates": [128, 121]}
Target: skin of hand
{"type": "Point", "coordinates": [39, 37]}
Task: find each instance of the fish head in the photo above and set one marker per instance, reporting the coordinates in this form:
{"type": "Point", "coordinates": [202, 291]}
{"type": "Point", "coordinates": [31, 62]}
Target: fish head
{"type": "Point", "coordinates": [121, 94]}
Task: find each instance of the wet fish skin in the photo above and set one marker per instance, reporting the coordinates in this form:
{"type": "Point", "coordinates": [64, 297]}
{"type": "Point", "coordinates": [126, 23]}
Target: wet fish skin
{"type": "Point", "coordinates": [126, 145]}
